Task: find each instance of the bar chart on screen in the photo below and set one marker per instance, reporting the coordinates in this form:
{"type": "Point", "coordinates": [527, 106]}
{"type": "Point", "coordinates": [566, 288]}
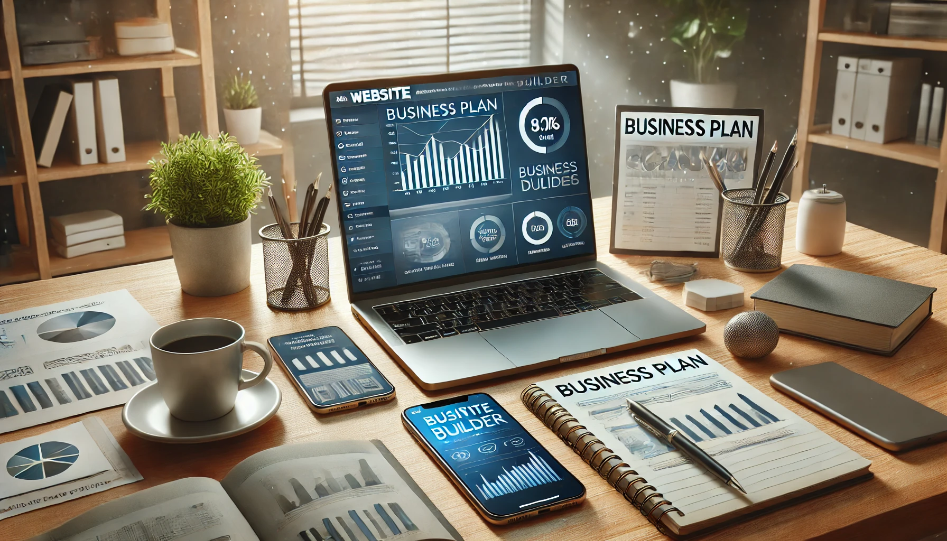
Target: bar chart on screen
{"type": "Point", "coordinates": [451, 152]}
{"type": "Point", "coordinates": [516, 477]}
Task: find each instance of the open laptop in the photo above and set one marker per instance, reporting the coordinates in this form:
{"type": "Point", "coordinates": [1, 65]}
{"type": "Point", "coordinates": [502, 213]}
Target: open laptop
{"type": "Point", "coordinates": [467, 226]}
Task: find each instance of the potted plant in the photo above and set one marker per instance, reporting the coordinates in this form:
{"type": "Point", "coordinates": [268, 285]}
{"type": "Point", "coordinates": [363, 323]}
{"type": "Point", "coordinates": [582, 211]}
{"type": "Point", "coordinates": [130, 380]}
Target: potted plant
{"type": "Point", "coordinates": [706, 31]}
{"type": "Point", "coordinates": [206, 188]}
{"type": "Point", "coordinates": [242, 111]}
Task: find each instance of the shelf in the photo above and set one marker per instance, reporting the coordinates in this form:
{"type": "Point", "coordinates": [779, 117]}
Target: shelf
{"type": "Point", "coordinates": [137, 155]}
{"type": "Point", "coordinates": [898, 150]}
{"type": "Point", "coordinates": [899, 42]}
{"type": "Point", "coordinates": [23, 268]}
{"type": "Point", "coordinates": [5, 74]}
{"type": "Point", "coordinates": [141, 245]}
{"type": "Point", "coordinates": [179, 58]}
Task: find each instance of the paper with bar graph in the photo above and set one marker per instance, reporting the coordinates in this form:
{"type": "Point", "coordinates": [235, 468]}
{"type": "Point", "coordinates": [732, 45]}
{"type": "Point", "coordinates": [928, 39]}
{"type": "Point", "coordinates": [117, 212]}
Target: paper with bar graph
{"type": "Point", "coordinates": [333, 490]}
{"type": "Point", "coordinates": [72, 357]}
{"type": "Point", "coordinates": [771, 451]}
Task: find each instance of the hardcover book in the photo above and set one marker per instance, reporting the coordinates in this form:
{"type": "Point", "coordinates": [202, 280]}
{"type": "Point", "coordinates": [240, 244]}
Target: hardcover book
{"type": "Point", "coordinates": [856, 310]}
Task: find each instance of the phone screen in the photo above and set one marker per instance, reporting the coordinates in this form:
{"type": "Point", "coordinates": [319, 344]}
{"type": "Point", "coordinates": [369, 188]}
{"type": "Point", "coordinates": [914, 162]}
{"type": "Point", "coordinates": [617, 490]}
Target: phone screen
{"type": "Point", "coordinates": [329, 368]}
{"type": "Point", "coordinates": [501, 464]}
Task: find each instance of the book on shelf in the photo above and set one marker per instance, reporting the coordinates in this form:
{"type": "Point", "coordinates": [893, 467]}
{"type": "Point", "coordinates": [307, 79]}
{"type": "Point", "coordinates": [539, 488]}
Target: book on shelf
{"type": "Point", "coordinates": [90, 247]}
{"type": "Point", "coordinates": [859, 311]}
{"type": "Point", "coordinates": [304, 492]}
{"type": "Point", "coordinates": [774, 454]}
{"type": "Point", "coordinates": [48, 121]}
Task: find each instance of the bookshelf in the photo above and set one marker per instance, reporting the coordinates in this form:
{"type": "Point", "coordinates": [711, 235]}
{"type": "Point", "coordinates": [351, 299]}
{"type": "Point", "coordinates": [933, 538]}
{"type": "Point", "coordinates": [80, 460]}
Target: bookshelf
{"type": "Point", "coordinates": [32, 259]}
{"type": "Point", "coordinates": [905, 151]}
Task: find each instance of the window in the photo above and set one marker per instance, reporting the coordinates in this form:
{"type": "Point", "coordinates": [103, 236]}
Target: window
{"type": "Point", "coordinates": [338, 40]}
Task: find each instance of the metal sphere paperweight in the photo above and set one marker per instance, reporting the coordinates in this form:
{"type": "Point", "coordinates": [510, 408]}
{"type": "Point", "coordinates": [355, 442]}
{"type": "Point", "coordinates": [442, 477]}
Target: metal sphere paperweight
{"type": "Point", "coordinates": [751, 335]}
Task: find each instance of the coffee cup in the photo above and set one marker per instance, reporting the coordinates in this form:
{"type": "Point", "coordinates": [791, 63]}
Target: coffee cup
{"type": "Point", "coordinates": [198, 363]}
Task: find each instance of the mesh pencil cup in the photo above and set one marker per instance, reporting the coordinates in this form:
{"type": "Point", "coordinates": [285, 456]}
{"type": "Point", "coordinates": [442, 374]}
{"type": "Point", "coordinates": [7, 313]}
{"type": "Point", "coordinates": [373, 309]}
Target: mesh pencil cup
{"type": "Point", "coordinates": [297, 270]}
{"type": "Point", "coordinates": [752, 235]}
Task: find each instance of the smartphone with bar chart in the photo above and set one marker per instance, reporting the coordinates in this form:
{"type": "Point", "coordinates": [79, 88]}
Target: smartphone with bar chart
{"type": "Point", "coordinates": [501, 468]}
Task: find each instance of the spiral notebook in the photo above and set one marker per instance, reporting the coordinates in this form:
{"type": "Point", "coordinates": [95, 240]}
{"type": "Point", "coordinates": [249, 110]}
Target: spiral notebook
{"type": "Point", "coordinates": [773, 453]}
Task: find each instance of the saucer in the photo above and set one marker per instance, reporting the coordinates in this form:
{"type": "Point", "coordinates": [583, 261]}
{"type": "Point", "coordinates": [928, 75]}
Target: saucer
{"type": "Point", "coordinates": [147, 416]}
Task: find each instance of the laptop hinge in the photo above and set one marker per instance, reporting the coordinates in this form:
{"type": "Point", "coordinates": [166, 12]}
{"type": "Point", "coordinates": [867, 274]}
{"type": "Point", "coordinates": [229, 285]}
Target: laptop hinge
{"type": "Point", "coordinates": [580, 356]}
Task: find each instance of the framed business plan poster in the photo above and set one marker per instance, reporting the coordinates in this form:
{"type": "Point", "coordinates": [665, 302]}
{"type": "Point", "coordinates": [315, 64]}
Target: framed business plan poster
{"type": "Point", "coordinates": [664, 201]}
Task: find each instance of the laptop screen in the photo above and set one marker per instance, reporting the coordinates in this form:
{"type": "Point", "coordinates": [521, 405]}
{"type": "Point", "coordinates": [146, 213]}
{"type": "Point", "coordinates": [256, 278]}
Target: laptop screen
{"type": "Point", "coordinates": [452, 178]}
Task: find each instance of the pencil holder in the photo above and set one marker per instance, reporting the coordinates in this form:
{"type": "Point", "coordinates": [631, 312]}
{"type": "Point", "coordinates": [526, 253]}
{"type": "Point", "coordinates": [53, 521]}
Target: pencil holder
{"type": "Point", "coordinates": [297, 270]}
{"type": "Point", "coordinates": [752, 235]}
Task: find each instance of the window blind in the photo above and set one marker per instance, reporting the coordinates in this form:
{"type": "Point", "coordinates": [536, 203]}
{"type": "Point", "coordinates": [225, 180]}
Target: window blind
{"type": "Point", "coordinates": [338, 40]}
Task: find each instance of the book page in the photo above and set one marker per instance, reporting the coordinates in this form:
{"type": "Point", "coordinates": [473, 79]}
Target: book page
{"type": "Point", "coordinates": [771, 451]}
{"type": "Point", "coordinates": [331, 490]}
{"type": "Point", "coordinates": [192, 509]}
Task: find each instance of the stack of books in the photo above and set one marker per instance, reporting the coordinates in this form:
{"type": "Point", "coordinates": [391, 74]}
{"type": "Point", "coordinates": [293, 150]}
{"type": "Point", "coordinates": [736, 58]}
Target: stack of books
{"type": "Point", "coordinates": [86, 232]}
{"type": "Point", "coordinates": [144, 35]}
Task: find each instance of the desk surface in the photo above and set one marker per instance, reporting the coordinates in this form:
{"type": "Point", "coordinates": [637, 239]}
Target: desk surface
{"type": "Point", "coordinates": [904, 500]}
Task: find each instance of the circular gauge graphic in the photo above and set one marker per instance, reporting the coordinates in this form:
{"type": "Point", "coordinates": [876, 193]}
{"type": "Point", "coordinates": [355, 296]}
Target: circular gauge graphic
{"type": "Point", "coordinates": [425, 243]}
{"type": "Point", "coordinates": [537, 228]}
{"type": "Point", "coordinates": [42, 460]}
{"type": "Point", "coordinates": [75, 327]}
{"type": "Point", "coordinates": [544, 125]}
{"type": "Point", "coordinates": [487, 234]}
{"type": "Point", "coordinates": [572, 222]}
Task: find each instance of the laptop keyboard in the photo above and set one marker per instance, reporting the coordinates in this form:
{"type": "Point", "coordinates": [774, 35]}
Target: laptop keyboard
{"type": "Point", "coordinates": [514, 303]}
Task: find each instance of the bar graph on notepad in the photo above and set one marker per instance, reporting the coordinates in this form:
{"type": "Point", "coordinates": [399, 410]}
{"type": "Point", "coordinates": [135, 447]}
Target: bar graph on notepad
{"type": "Point", "coordinates": [533, 473]}
{"type": "Point", "coordinates": [451, 152]}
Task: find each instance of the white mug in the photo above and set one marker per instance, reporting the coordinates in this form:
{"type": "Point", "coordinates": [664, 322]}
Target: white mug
{"type": "Point", "coordinates": [203, 385]}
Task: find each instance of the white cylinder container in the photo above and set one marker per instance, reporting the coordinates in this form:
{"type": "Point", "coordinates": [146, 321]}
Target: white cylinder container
{"type": "Point", "coordinates": [820, 222]}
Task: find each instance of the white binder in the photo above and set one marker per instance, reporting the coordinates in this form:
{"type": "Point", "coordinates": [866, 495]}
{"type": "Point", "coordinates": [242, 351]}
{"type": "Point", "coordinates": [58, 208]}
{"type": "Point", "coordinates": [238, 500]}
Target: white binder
{"type": "Point", "coordinates": [937, 115]}
{"type": "Point", "coordinates": [920, 136]}
{"type": "Point", "coordinates": [108, 118]}
{"type": "Point", "coordinates": [860, 101]}
{"type": "Point", "coordinates": [844, 94]}
{"type": "Point", "coordinates": [81, 123]}
{"type": "Point", "coordinates": [894, 84]}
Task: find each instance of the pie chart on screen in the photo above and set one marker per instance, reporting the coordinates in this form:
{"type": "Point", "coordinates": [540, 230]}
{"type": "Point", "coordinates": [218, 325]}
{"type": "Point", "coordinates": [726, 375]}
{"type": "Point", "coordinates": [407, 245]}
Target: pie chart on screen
{"type": "Point", "coordinates": [42, 460]}
{"type": "Point", "coordinates": [75, 327]}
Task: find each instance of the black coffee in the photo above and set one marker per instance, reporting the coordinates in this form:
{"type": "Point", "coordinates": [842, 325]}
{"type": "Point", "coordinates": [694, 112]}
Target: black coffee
{"type": "Point", "coordinates": [198, 344]}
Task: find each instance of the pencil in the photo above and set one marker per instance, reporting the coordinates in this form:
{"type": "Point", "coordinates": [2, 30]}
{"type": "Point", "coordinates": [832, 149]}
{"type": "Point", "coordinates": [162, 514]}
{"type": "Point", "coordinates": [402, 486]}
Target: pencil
{"type": "Point", "coordinates": [764, 174]}
{"type": "Point", "coordinates": [714, 174]}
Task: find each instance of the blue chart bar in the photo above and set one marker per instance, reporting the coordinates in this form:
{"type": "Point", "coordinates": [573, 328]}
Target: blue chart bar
{"type": "Point", "coordinates": [532, 474]}
{"type": "Point", "coordinates": [479, 159]}
{"type": "Point", "coordinates": [724, 420]}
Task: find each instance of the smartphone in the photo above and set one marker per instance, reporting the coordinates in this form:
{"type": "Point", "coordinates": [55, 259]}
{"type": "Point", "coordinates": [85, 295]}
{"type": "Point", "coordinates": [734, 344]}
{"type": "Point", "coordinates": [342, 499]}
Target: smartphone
{"type": "Point", "coordinates": [865, 407]}
{"type": "Point", "coordinates": [504, 472]}
{"type": "Point", "coordinates": [330, 370]}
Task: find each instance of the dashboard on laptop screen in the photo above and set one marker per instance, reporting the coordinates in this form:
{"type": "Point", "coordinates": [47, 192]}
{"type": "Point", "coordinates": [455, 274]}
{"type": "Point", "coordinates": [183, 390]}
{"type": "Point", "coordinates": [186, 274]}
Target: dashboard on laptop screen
{"type": "Point", "coordinates": [443, 179]}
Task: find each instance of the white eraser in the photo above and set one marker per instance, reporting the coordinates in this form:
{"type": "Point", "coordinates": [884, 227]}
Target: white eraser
{"type": "Point", "coordinates": [711, 294]}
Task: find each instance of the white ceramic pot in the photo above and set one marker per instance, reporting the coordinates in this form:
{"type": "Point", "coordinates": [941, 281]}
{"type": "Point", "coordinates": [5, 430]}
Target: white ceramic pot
{"type": "Point", "coordinates": [244, 124]}
{"type": "Point", "coordinates": [212, 261]}
{"type": "Point", "coordinates": [703, 95]}
{"type": "Point", "coordinates": [820, 222]}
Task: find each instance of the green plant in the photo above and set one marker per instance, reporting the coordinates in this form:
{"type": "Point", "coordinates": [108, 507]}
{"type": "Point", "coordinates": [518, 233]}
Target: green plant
{"type": "Point", "coordinates": [240, 94]}
{"type": "Point", "coordinates": [205, 182]}
{"type": "Point", "coordinates": [706, 30]}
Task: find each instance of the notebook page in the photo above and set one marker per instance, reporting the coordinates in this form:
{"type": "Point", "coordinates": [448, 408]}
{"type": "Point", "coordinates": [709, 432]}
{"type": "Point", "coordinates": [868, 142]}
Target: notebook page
{"type": "Point", "coordinates": [771, 451]}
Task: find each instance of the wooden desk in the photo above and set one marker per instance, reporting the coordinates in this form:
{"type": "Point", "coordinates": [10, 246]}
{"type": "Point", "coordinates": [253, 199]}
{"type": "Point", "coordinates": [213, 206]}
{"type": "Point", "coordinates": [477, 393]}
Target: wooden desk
{"type": "Point", "coordinates": [905, 500]}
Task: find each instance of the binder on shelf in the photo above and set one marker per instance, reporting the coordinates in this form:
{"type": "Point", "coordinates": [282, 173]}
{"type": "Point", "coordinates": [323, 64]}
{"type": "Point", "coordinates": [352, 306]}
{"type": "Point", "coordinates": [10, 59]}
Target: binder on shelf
{"type": "Point", "coordinates": [100, 245]}
{"type": "Point", "coordinates": [920, 136]}
{"type": "Point", "coordinates": [47, 123]}
{"type": "Point", "coordinates": [863, 82]}
{"type": "Point", "coordinates": [86, 236]}
{"type": "Point", "coordinates": [108, 119]}
{"type": "Point", "coordinates": [844, 94]}
{"type": "Point", "coordinates": [894, 84]}
{"type": "Point", "coordinates": [81, 123]}
{"type": "Point", "coordinates": [937, 115]}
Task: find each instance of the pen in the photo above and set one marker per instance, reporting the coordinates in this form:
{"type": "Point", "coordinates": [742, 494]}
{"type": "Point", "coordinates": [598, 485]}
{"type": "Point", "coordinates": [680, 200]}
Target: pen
{"type": "Point", "coordinates": [661, 430]}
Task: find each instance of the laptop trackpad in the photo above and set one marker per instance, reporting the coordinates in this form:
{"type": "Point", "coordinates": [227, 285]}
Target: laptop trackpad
{"type": "Point", "coordinates": [549, 339]}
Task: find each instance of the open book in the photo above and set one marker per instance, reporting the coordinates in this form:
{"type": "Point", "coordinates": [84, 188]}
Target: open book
{"type": "Point", "coordinates": [773, 453]}
{"type": "Point", "coordinates": [303, 492]}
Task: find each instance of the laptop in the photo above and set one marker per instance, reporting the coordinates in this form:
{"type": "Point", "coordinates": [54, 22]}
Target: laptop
{"type": "Point", "coordinates": [467, 227]}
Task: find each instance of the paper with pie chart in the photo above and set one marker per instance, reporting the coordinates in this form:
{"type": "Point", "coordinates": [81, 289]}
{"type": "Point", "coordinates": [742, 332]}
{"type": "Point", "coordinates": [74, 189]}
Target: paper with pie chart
{"type": "Point", "coordinates": [72, 357]}
{"type": "Point", "coordinates": [48, 460]}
